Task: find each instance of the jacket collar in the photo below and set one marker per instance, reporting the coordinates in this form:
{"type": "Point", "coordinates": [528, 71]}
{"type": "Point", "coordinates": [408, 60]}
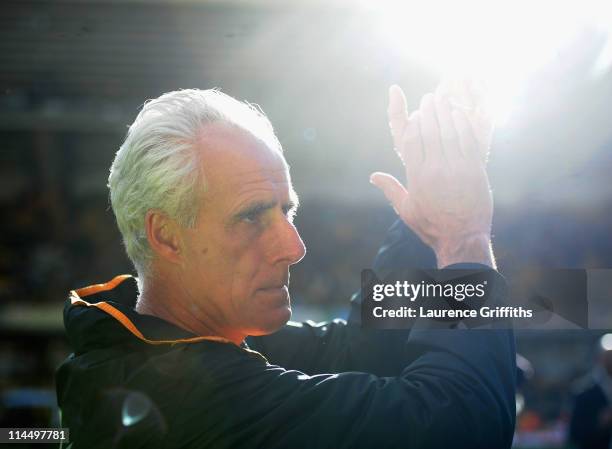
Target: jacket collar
{"type": "Point", "coordinates": [106, 312]}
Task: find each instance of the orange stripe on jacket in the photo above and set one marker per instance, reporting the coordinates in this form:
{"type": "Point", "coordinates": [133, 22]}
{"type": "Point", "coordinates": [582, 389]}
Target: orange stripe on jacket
{"type": "Point", "coordinates": [92, 289]}
{"type": "Point", "coordinates": [75, 299]}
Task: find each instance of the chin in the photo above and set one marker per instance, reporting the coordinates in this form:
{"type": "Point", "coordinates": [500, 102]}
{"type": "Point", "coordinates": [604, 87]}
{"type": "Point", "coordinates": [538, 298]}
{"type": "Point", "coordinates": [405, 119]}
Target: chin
{"type": "Point", "coordinates": [273, 322]}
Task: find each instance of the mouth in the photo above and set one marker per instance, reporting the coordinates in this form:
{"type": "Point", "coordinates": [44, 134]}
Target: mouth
{"type": "Point", "coordinates": [274, 288]}
{"type": "Point", "coordinates": [281, 284]}
{"type": "Point", "coordinates": [275, 292]}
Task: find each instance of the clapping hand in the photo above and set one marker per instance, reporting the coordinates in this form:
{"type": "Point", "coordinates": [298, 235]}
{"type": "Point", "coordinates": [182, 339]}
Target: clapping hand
{"type": "Point", "coordinates": [444, 144]}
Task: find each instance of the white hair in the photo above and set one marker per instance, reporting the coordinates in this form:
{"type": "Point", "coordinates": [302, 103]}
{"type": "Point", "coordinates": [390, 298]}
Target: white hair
{"type": "Point", "coordinates": [158, 165]}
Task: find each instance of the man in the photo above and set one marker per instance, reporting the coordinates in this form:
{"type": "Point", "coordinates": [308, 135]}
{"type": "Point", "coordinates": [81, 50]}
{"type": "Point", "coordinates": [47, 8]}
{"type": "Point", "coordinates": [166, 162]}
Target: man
{"type": "Point", "coordinates": [204, 201]}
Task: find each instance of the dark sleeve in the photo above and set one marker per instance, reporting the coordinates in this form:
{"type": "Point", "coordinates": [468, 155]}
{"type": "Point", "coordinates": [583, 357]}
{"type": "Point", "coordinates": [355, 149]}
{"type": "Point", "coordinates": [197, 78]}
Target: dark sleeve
{"type": "Point", "coordinates": [457, 392]}
{"type": "Point", "coordinates": [339, 346]}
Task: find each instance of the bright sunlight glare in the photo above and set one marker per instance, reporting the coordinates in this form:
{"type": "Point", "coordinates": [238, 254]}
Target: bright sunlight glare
{"type": "Point", "coordinates": [498, 43]}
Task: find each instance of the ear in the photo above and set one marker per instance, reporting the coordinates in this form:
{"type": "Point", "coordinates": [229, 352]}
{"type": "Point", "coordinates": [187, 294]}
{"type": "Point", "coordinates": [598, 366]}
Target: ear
{"type": "Point", "coordinates": [163, 235]}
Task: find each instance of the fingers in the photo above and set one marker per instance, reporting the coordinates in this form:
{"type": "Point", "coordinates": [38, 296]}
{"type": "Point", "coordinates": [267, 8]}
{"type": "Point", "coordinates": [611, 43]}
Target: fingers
{"type": "Point", "coordinates": [470, 97]}
{"type": "Point", "coordinates": [397, 114]}
{"type": "Point", "coordinates": [456, 89]}
{"type": "Point", "coordinates": [393, 190]}
{"type": "Point", "coordinates": [482, 119]}
{"type": "Point", "coordinates": [483, 132]}
{"type": "Point", "coordinates": [448, 135]}
{"type": "Point", "coordinates": [449, 124]}
{"type": "Point", "coordinates": [478, 95]}
{"type": "Point", "coordinates": [412, 144]}
{"type": "Point", "coordinates": [469, 145]}
{"type": "Point", "coordinates": [430, 131]}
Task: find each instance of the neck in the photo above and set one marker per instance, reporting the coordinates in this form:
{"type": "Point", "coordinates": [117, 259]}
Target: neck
{"type": "Point", "coordinates": [158, 297]}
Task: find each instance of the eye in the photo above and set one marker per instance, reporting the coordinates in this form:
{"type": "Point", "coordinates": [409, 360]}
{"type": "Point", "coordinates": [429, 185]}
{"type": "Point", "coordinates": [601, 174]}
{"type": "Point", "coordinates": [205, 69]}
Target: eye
{"type": "Point", "coordinates": [251, 217]}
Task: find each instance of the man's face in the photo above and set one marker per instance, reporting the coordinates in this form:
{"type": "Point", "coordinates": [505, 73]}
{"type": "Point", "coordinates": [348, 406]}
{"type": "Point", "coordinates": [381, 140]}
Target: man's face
{"type": "Point", "coordinates": [237, 257]}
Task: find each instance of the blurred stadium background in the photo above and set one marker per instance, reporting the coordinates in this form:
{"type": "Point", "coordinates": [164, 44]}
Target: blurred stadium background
{"type": "Point", "coordinates": [74, 73]}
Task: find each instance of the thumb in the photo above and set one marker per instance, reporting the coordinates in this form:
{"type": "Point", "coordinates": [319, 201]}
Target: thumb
{"type": "Point", "coordinates": [395, 192]}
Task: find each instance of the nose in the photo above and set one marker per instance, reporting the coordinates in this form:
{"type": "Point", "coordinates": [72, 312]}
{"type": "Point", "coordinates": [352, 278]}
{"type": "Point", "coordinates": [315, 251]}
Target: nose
{"type": "Point", "coordinates": [290, 247]}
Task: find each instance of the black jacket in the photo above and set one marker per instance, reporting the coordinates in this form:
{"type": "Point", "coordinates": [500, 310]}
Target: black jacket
{"type": "Point", "coordinates": [136, 381]}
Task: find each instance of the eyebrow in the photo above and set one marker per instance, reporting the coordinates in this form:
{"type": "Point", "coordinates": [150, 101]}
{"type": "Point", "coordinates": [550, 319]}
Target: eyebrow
{"type": "Point", "coordinates": [258, 207]}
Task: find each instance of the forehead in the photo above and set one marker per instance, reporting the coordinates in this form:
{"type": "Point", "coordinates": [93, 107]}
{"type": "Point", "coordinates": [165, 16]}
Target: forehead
{"type": "Point", "coordinates": [234, 162]}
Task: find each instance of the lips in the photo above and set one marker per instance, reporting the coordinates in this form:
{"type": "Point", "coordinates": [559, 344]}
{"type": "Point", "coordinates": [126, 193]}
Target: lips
{"type": "Point", "coordinates": [275, 295]}
{"type": "Point", "coordinates": [274, 288]}
{"type": "Point", "coordinates": [276, 285]}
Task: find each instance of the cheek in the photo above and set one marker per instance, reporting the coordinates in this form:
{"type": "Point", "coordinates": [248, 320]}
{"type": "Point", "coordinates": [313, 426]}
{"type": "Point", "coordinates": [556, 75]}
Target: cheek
{"type": "Point", "coordinates": [223, 257]}
{"type": "Point", "coordinates": [204, 262]}
{"type": "Point", "coordinates": [197, 255]}
{"type": "Point", "coordinates": [246, 264]}
{"type": "Point", "coordinates": [228, 262]}
{"type": "Point", "coordinates": [246, 268]}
